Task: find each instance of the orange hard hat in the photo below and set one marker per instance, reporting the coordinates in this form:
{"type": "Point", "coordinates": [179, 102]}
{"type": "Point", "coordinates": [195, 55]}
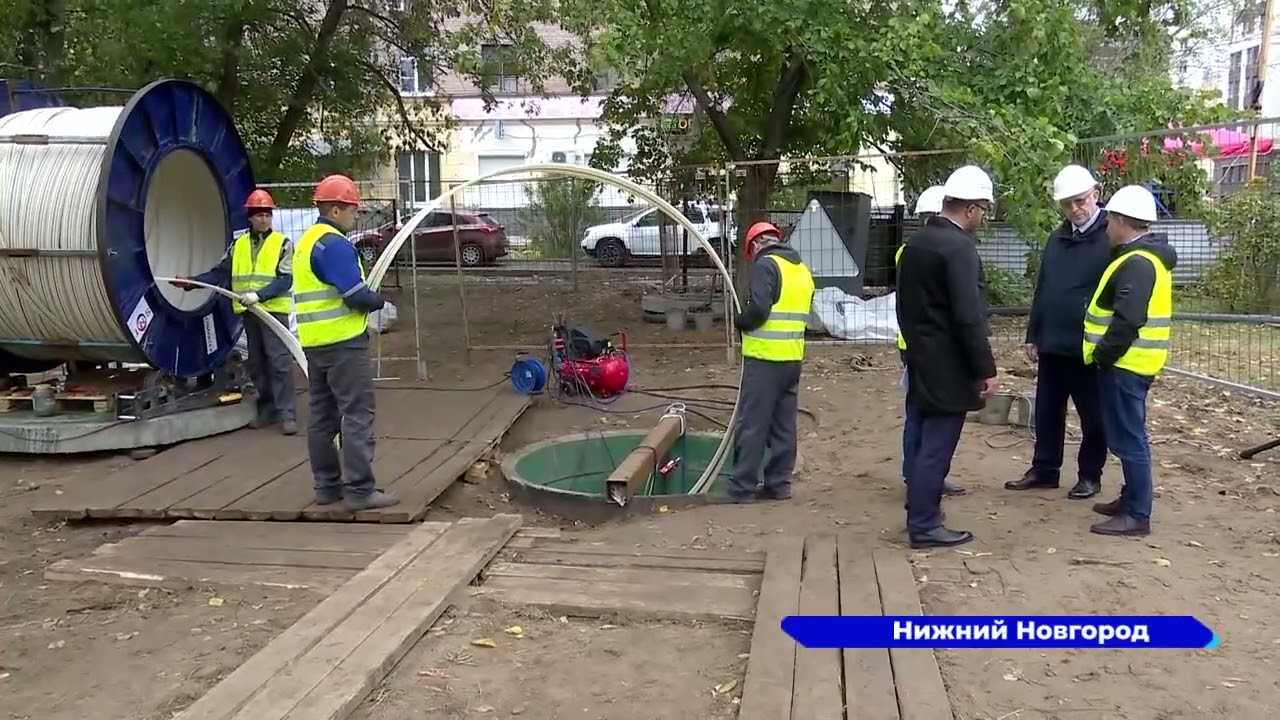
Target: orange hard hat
{"type": "Point", "coordinates": [762, 228]}
{"type": "Point", "coordinates": [260, 199]}
{"type": "Point", "coordinates": [337, 189]}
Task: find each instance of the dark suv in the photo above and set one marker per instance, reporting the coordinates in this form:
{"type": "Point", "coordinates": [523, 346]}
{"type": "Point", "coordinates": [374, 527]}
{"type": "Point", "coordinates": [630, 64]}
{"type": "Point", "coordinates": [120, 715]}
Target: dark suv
{"type": "Point", "coordinates": [480, 239]}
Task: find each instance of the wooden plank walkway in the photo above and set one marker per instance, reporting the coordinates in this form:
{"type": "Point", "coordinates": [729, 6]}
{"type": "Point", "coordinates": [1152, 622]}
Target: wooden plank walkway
{"type": "Point", "coordinates": [325, 664]}
{"type": "Point", "coordinates": [293, 555]}
{"type": "Point", "coordinates": [822, 575]}
{"type": "Point", "coordinates": [427, 440]}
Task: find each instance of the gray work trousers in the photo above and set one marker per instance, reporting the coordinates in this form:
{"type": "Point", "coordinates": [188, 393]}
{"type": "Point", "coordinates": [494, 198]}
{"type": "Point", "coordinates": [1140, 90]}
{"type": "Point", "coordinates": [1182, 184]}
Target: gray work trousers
{"type": "Point", "coordinates": [271, 370]}
{"type": "Point", "coordinates": [768, 409]}
{"type": "Point", "coordinates": [341, 390]}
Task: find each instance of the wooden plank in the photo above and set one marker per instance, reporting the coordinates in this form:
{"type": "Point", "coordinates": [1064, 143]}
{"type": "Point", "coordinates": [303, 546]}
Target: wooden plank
{"type": "Point", "coordinates": [766, 690]}
{"type": "Point", "coordinates": [818, 694]}
{"type": "Point", "coordinates": [242, 477]}
{"type": "Point", "coordinates": [179, 575]}
{"type": "Point", "coordinates": [436, 413]}
{"type": "Point", "coordinates": [621, 557]}
{"type": "Point", "coordinates": [425, 457]}
{"type": "Point", "coordinates": [228, 696]}
{"type": "Point", "coordinates": [330, 680]}
{"type": "Point", "coordinates": [921, 692]}
{"type": "Point", "coordinates": [202, 550]}
{"type": "Point", "coordinates": [868, 677]}
{"type": "Point", "coordinates": [641, 601]}
{"type": "Point", "coordinates": [174, 494]}
{"type": "Point", "coordinates": [630, 476]}
{"type": "Point", "coordinates": [622, 575]}
{"type": "Point", "coordinates": [280, 533]}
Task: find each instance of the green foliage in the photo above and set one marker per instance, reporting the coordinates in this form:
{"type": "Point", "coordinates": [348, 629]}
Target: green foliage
{"type": "Point", "coordinates": [1246, 277]}
{"type": "Point", "coordinates": [1007, 289]}
{"type": "Point", "coordinates": [558, 213]}
{"type": "Point", "coordinates": [313, 85]}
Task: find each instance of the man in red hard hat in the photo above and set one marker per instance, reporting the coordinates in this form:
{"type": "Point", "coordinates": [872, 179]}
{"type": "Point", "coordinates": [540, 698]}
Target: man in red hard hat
{"type": "Point", "coordinates": [333, 304]}
{"type": "Point", "coordinates": [259, 267]}
{"type": "Point", "coordinates": [772, 324]}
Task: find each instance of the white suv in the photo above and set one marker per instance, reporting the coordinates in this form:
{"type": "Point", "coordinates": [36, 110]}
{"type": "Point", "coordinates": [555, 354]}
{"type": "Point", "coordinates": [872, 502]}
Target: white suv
{"type": "Point", "coordinates": [639, 235]}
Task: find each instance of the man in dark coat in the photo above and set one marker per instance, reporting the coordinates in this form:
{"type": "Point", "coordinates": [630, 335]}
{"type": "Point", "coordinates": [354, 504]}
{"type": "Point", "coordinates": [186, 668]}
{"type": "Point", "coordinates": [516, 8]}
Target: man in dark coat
{"type": "Point", "coordinates": [942, 314]}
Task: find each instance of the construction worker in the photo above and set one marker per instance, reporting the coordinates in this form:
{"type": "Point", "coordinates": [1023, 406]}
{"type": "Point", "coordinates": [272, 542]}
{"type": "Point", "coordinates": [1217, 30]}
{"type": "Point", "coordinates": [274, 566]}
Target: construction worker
{"type": "Point", "coordinates": [1073, 260]}
{"type": "Point", "coordinates": [333, 305]}
{"type": "Point", "coordinates": [772, 326]}
{"type": "Point", "coordinates": [1126, 335]}
{"type": "Point", "coordinates": [942, 311]}
{"type": "Point", "coordinates": [928, 205]}
{"type": "Point", "coordinates": [259, 267]}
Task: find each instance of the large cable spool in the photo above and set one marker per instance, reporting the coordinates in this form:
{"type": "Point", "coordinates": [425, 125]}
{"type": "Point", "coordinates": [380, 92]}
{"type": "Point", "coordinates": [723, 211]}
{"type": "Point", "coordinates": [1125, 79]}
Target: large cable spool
{"type": "Point", "coordinates": [95, 203]}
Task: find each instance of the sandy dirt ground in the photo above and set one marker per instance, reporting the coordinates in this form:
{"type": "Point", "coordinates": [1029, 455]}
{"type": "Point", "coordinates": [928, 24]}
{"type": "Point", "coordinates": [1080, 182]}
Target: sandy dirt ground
{"type": "Point", "coordinates": [72, 651]}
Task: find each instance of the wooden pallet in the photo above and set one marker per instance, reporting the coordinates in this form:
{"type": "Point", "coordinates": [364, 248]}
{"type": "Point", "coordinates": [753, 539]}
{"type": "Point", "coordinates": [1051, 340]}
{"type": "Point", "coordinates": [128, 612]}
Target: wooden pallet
{"type": "Point", "coordinates": [324, 666]}
{"type": "Point", "coordinates": [295, 556]}
{"type": "Point", "coordinates": [64, 402]}
{"type": "Point", "coordinates": [429, 439]}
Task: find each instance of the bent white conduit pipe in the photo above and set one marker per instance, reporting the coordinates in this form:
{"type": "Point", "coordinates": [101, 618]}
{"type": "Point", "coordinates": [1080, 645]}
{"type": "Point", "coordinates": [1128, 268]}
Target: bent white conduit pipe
{"type": "Point", "coordinates": [380, 268]}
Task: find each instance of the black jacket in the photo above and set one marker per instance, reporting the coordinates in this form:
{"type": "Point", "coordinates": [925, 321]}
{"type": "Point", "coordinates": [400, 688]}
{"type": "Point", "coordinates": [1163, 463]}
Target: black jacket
{"type": "Point", "coordinates": [1127, 294]}
{"type": "Point", "coordinates": [942, 313]}
{"type": "Point", "coordinates": [766, 287]}
{"type": "Point", "coordinates": [1070, 268]}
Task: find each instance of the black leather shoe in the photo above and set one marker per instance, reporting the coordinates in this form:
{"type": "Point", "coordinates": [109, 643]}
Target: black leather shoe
{"type": "Point", "coordinates": [1123, 525]}
{"type": "Point", "coordinates": [1085, 489]}
{"type": "Point", "coordinates": [949, 489]}
{"type": "Point", "coordinates": [1108, 508]}
{"type": "Point", "coordinates": [1031, 481]}
{"type": "Point", "coordinates": [940, 537]}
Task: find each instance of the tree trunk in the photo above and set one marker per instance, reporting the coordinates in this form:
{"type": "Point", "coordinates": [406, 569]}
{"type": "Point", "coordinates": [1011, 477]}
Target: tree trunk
{"type": "Point", "coordinates": [42, 54]}
{"type": "Point", "coordinates": [304, 90]}
{"type": "Point", "coordinates": [229, 72]}
{"type": "Point", "coordinates": [753, 206]}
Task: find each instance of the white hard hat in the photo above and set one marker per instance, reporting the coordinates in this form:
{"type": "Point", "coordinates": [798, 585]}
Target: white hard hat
{"type": "Point", "coordinates": [969, 183]}
{"type": "Point", "coordinates": [1073, 180]}
{"type": "Point", "coordinates": [930, 201]}
{"type": "Point", "coordinates": [1133, 201]}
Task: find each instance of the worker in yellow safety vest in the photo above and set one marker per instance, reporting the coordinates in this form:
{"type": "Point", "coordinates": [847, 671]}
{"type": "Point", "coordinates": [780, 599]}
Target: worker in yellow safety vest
{"type": "Point", "coordinates": [772, 325]}
{"type": "Point", "coordinates": [333, 305]}
{"type": "Point", "coordinates": [928, 205]}
{"type": "Point", "coordinates": [259, 267]}
{"type": "Point", "coordinates": [1126, 335]}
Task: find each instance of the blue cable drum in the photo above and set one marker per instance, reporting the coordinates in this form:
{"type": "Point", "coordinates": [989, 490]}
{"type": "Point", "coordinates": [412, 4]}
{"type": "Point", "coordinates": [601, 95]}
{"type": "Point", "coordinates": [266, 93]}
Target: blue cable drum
{"type": "Point", "coordinates": [528, 376]}
{"type": "Point", "coordinates": [167, 191]}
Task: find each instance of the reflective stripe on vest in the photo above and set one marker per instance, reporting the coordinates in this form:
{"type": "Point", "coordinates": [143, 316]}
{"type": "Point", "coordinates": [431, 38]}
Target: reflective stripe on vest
{"type": "Point", "coordinates": [897, 263]}
{"type": "Point", "coordinates": [323, 319]}
{"type": "Point", "coordinates": [1149, 351]}
{"type": "Point", "coordinates": [250, 273]}
{"type": "Point", "coordinates": [781, 337]}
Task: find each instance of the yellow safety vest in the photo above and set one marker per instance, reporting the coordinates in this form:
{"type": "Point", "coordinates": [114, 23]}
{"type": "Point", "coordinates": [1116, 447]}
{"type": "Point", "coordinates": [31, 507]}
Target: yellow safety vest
{"type": "Point", "coordinates": [323, 319]}
{"type": "Point", "coordinates": [781, 337]}
{"type": "Point", "coordinates": [1149, 351]}
{"type": "Point", "coordinates": [897, 262]}
{"type": "Point", "coordinates": [251, 274]}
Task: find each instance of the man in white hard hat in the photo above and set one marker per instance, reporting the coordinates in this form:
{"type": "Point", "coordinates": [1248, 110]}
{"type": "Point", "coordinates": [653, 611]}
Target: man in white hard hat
{"type": "Point", "coordinates": [942, 312]}
{"type": "Point", "coordinates": [1126, 335]}
{"type": "Point", "coordinates": [1073, 260]}
{"type": "Point", "coordinates": [928, 205]}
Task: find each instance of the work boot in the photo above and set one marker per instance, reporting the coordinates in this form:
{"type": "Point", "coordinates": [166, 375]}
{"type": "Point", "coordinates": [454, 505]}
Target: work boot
{"type": "Point", "coordinates": [289, 427]}
{"type": "Point", "coordinates": [767, 494]}
{"type": "Point", "coordinates": [327, 498]}
{"type": "Point", "coordinates": [940, 537]}
{"type": "Point", "coordinates": [256, 422]}
{"type": "Point", "coordinates": [1030, 480]}
{"type": "Point", "coordinates": [1085, 489]}
{"type": "Point", "coordinates": [1109, 509]}
{"type": "Point", "coordinates": [373, 501]}
{"type": "Point", "coordinates": [1122, 525]}
{"type": "Point", "coordinates": [949, 489]}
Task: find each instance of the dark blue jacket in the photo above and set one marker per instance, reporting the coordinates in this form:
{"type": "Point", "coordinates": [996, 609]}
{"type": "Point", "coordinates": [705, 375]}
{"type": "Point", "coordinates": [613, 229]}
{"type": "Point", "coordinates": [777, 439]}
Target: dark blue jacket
{"type": "Point", "coordinates": [1070, 268]}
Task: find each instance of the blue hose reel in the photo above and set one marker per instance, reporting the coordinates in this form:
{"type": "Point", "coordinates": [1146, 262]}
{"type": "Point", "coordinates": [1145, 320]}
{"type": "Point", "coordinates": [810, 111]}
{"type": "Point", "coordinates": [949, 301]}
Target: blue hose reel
{"type": "Point", "coordinates": [528, 376]}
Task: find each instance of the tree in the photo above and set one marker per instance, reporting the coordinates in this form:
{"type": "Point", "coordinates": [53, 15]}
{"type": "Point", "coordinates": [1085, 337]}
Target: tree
{"type": "Point", "coordinates": [1009, 85]}
{"type": "Point", "coordinates": [298, 76]}
{"type": "Point", "coordinates": [559, 210]}
{"type": "Point", "coordinates": [1246, 277]}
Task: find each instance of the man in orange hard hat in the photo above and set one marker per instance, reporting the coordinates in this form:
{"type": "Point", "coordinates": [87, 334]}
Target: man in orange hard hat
{"type": "Point", "coordinates": [772, 325]}
{"type": "Point", "coordinates": [333, 304]}
{"type": "Point", "coordinates": [259, 268]}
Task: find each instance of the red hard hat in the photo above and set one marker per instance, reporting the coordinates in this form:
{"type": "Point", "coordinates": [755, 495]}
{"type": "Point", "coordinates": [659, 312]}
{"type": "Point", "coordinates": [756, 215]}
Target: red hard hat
{"type": "Point", "coordinates": [760, 228]}
{"type": "Point", "coordinates": [260, 199]}
{"type": "Point", "coordinates": [337, 189]}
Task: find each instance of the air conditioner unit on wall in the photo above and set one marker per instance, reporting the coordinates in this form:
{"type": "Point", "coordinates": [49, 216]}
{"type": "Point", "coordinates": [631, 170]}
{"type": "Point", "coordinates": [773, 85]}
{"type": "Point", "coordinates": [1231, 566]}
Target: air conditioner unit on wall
{"type": "Point", "coordinates": [559, 157]}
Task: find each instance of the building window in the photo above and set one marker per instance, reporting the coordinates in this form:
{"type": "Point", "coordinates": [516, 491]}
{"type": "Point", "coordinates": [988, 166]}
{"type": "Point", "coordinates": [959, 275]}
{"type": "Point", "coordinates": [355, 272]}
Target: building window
{"type": "Point", "coordinates": [606, 80]}
{"type": "Point", "coordinates": [413, 177]}
{"type": "Point", "coordinates": [501, 68]}
{"type": "Point", "coordinates": [1233, 80]}
{"type": "Point", "coordinates": [1247, 91]}
{"type": "Point", "coordinates": [415, 78]}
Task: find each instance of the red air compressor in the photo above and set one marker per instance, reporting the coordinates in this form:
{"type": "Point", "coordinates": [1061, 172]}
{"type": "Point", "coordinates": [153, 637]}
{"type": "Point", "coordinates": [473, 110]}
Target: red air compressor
{"type": "Point", "coordinates": [587, 364]}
